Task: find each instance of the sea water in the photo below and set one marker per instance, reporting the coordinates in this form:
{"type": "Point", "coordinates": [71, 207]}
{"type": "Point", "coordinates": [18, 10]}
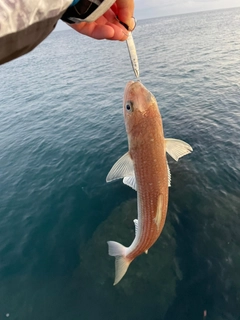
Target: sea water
{"type": "Point", "coordinates": [61, 130]}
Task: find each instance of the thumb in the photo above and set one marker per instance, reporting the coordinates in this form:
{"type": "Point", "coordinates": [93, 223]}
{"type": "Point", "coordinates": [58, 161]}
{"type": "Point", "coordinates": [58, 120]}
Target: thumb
{"type": "Point", "coordinates": [125, 11]}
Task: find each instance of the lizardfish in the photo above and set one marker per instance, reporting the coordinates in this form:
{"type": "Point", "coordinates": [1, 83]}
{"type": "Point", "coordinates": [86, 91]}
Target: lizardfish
{"type": "Point", "coordinates": [144, 168]}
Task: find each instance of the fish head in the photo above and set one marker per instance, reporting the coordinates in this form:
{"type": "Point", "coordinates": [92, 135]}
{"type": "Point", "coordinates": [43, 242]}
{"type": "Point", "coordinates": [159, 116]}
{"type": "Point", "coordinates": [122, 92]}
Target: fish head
{"type": "Point", "coordinates": [139, 105]}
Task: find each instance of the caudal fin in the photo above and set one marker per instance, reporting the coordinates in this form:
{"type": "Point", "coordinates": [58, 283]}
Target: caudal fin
{"type": "Point", "coordinates": [118, 251]}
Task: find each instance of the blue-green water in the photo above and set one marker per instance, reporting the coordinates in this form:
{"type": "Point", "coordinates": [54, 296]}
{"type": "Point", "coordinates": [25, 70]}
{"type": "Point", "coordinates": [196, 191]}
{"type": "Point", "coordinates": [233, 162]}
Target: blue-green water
{"type": "Point", "coordinates": [61, 130]}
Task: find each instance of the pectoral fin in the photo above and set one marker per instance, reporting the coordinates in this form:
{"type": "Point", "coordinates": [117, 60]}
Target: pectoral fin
{"type": "Point", "coordinates": [122, 168]}
{"type": "Point", "coordinates": [131, 182]}
{"type": "Point", "coordinates": [177, 148]}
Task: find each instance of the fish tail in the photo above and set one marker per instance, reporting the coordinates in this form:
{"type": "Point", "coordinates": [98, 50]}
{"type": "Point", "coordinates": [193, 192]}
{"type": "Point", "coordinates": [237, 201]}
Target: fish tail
{"type": "Point", "coordinates": [122, 263]}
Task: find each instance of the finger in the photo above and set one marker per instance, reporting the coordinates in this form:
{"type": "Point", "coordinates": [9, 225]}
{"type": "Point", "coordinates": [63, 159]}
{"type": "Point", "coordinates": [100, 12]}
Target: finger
{"type": "Point", "coordinates": [94, 30]}
{"type": "Point", "coordinates": [105, 31]}
{"type": "Point", "coordinates": [119, 34]}
{"type": "Point", "coordinates": [112, 19]}
{"type": "Point", "coordinates": [125, 12]}
{"type": "Point", "coordinates": [108, 31]}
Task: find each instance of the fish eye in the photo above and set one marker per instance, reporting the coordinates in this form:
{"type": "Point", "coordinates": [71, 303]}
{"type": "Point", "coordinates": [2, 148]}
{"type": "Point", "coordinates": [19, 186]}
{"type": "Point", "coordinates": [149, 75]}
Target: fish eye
{"type": "Point", "coordinates": [129, 106]}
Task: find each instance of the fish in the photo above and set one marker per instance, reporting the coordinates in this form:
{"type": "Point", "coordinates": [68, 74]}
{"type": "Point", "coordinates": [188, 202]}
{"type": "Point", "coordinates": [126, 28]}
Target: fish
{"type": "Point", "coordinates": [145, 169]}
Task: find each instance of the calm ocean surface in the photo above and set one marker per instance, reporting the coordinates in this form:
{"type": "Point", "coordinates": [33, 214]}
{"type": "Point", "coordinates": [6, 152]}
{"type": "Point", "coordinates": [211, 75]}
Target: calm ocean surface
{"type": "Point", "coordinates": [61, 130]}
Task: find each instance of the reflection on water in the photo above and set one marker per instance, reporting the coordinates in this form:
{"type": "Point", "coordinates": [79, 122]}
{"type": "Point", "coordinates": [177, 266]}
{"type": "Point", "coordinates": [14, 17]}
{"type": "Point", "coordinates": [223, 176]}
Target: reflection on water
{"type": "Point", "coordinates": [150, 281]}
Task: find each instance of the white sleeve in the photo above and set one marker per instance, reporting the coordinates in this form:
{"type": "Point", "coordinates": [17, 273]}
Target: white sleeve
{"type": "Point", "coordinates": [25, 23]}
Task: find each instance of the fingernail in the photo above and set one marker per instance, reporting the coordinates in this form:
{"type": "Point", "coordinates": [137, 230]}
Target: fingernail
{"type": "Point", "coordinates": [132, 24]}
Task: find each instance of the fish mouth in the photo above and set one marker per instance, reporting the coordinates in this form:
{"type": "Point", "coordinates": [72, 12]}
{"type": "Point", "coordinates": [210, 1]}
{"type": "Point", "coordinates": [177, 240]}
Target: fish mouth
{"type": "Point", "coordinates": [136, 84]}
{"type": "Point", "coordinates": [136, 88]}
{"type": "Point", "coordinates": [127, 89]}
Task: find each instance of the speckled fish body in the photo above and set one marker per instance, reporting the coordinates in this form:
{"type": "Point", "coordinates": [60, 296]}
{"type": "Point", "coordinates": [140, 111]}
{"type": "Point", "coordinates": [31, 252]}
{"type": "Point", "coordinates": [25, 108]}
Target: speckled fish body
{"type": "Point", "coordinates": [144, 168]}
{"type": "Point", "coordinates": [147, 150]}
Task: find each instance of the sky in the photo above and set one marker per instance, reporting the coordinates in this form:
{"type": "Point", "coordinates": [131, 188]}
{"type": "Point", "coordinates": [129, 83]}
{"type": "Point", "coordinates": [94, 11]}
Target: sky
{"type": "Point", "coordinates": [155, 8]}
{"type": "Point", "coordinates": [145, 9]}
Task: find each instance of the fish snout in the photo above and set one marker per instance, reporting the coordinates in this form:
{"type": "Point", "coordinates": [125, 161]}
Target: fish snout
{"type": "Point", "coordinates": [135, 90]}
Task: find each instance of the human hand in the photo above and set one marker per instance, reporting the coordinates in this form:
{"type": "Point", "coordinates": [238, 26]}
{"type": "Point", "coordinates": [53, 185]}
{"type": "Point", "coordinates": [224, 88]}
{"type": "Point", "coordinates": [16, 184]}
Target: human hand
{"type": "Point", "coordinates": [108, 26]}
